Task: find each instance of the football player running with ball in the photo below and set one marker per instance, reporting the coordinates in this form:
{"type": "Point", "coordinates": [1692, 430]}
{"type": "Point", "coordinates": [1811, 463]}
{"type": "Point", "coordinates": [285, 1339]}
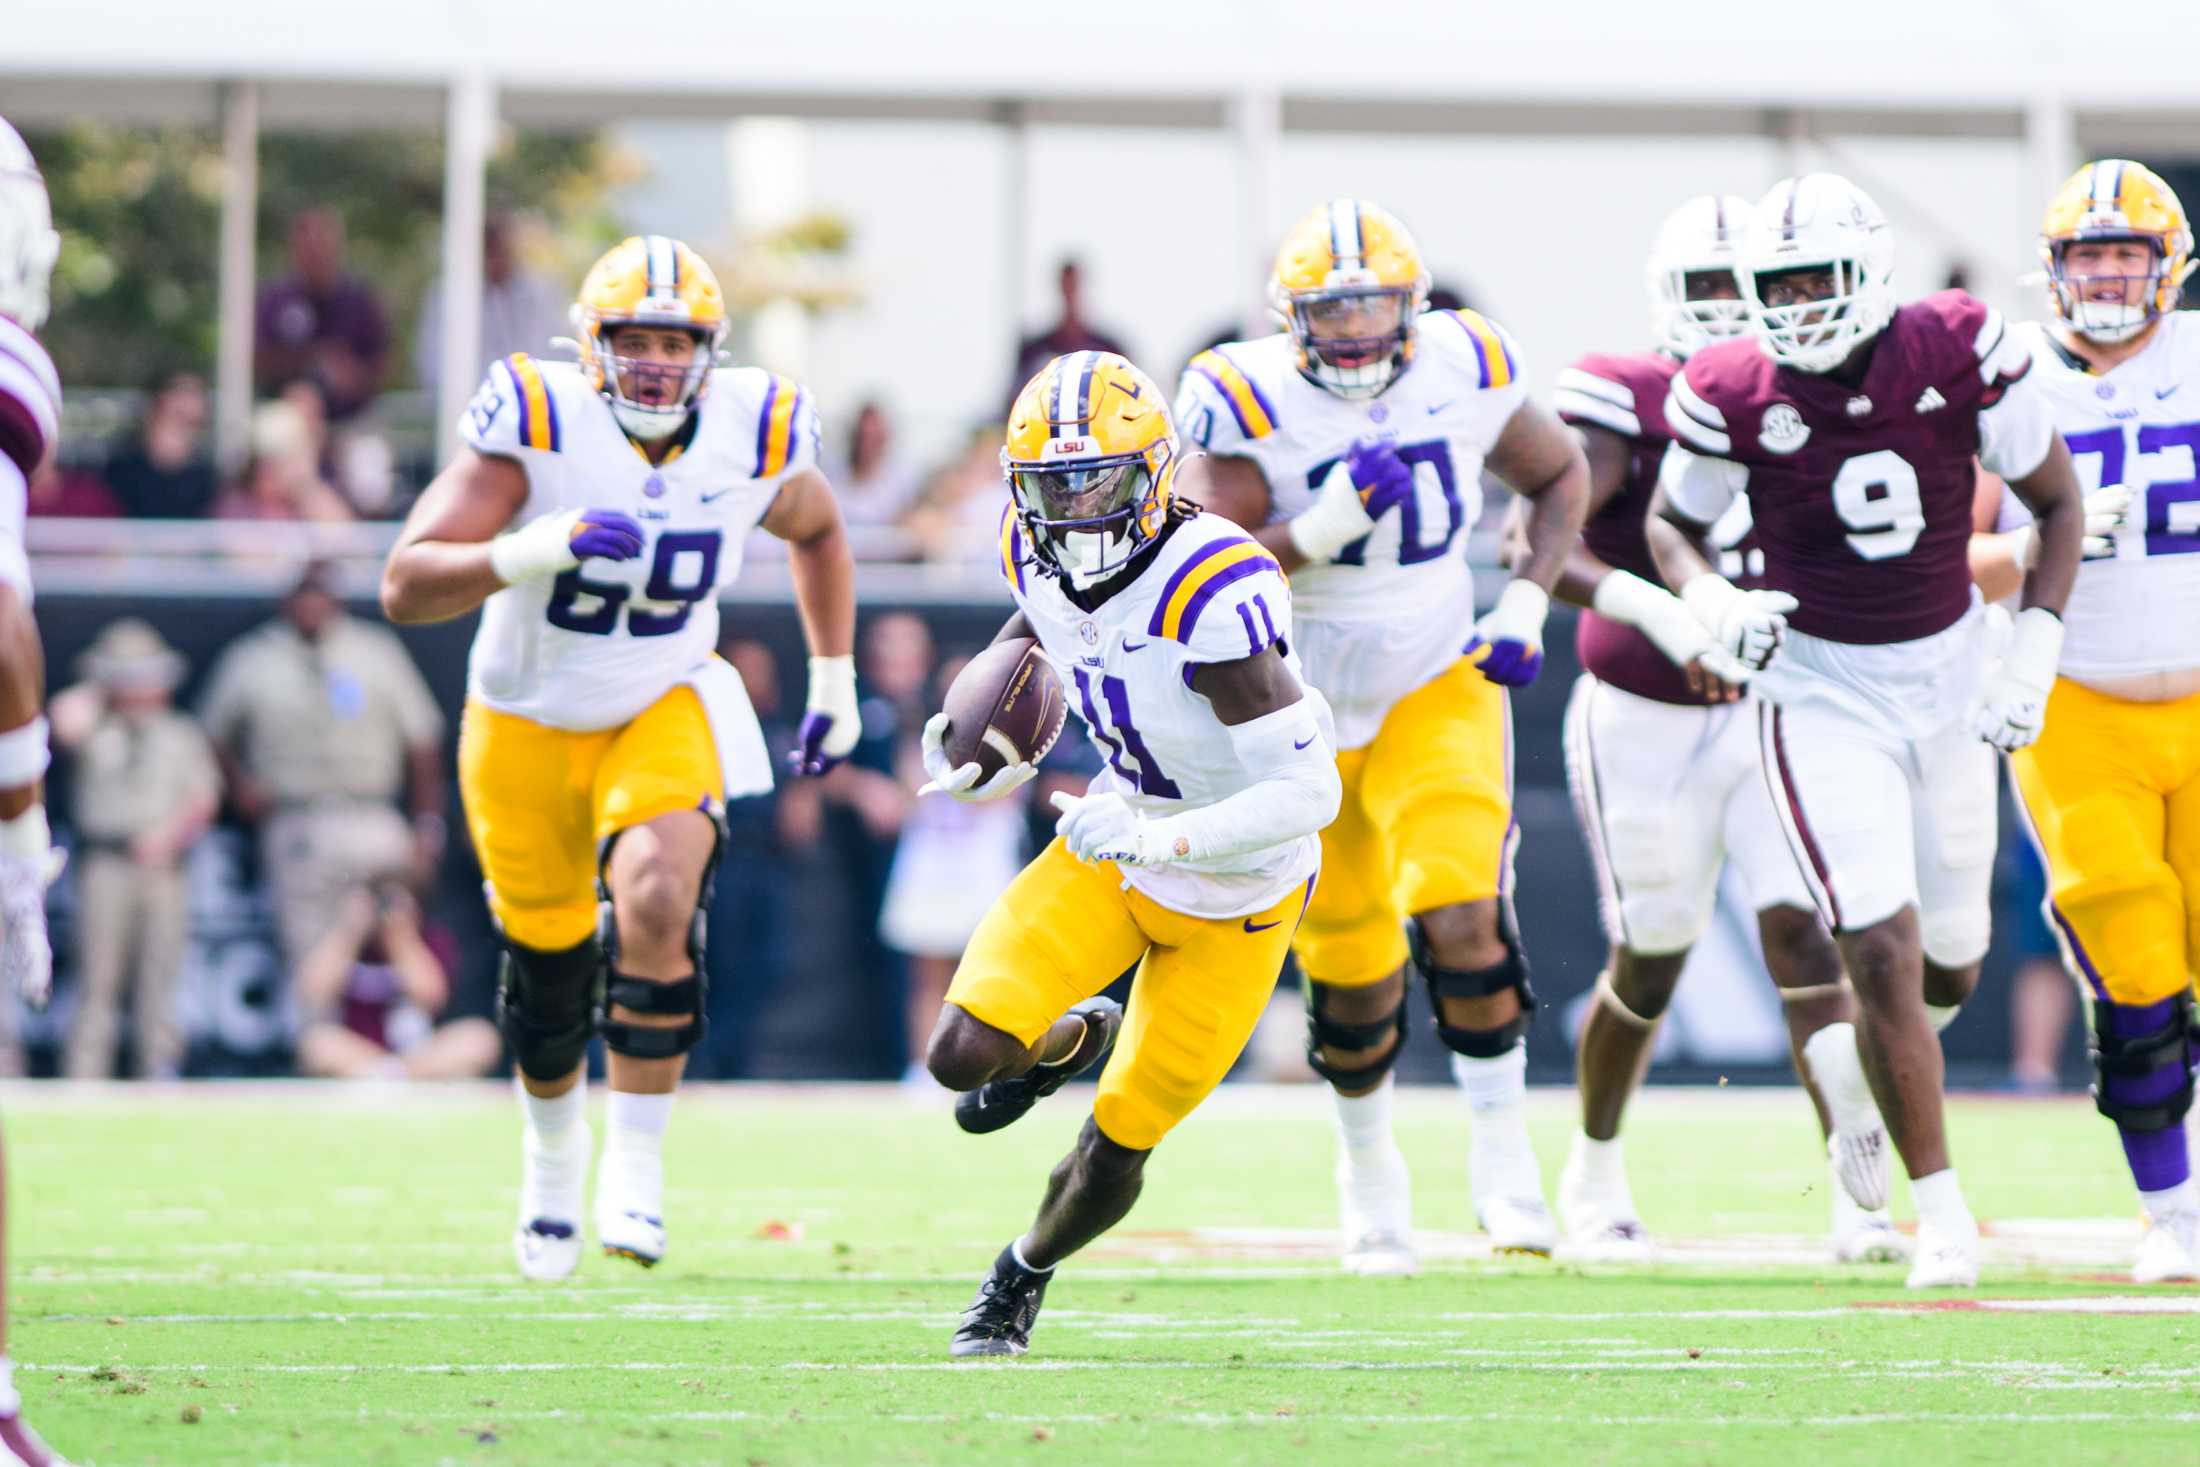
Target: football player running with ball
{"type": "Point", "coordinates": [1662, 755]}
{"type": "Point", "coordinates": [2111, 788]}
{"type": "Point", "coordinates": [1853, 426]}
{"type": "Point", "coordinates": [1194, 852]}
{"type": "Point", "coordinates": [594, 515]}
{"type": "Point", "coordinates": [1352, 445]}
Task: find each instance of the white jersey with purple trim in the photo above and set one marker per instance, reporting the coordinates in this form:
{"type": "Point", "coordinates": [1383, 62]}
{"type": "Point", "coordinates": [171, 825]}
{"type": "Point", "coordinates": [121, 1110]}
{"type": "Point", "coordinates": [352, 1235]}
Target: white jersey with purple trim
{"type": "Point", "coordinates": [1396, 608]}
{"type": "Point", "coordinates": [595, 646]}
{"type": "Point", "coordinates": [2137, 424]}
{"type": "Point", "coordinates": [1206, 593]}
{"type": "Point", "coordinates": [30, 422]}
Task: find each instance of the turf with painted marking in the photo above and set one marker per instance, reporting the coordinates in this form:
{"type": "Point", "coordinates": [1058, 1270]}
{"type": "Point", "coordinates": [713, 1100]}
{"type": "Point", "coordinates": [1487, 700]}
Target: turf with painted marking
{"type": "Point", "coordinates": [321, 1276]}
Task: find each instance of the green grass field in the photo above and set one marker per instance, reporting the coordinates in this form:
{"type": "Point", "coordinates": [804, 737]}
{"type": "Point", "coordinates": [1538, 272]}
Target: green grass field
{"type": "Point", "coordinates": [316, 1275]}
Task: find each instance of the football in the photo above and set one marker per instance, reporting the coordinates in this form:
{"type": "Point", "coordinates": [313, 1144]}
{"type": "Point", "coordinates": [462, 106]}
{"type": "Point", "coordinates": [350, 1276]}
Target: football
{"type": "Point", "coordinates": [1004, 707]}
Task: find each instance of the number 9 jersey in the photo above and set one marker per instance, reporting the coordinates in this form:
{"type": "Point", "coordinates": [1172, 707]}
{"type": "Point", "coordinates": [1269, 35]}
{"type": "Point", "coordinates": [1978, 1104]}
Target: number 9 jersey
{"type": "Point", "coordinates": [594, 647]}
{"type": "Point", "coordinates": [1394, 610]}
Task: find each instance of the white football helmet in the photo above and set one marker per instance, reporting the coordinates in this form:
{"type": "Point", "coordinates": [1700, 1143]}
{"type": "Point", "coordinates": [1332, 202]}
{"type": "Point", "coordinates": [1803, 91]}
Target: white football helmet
{"type": "Point", "coordinates": [28, 244]}
{"type": "Point", "coordinates": [1703, 234]}
{"type": "Point", "coordinates": [1819, 221]}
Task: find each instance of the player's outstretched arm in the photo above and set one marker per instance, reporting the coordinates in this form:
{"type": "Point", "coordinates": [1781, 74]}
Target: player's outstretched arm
{"type": "Point", "coordinates": [2058, 523]}
{"type": "Point", "coordinates": [1539, 458]}
{"type": "Point", "coordinates": [807, 517]}
{"type": "Point", "coordinates": [1746, 627]}
{"type": "Point", "coordinates": [443, 564]}
{"type": "Point", "coordinates": [1608, 456]}
{"type": "Point", "coordinates": [26, 856]}
{"type": "Point", "coordinates": [1277, 736]}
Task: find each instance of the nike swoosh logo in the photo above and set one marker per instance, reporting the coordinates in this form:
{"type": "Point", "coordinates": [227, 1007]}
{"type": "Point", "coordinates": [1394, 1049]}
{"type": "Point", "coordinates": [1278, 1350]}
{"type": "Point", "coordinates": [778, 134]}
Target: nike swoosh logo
{"type": "Point", "coordinates": [713, 498]}
{"type": "Point", "coordinates": [1301, 745]}
{"type": "Point", "coordinates": [1136, 646]}
{"type": "Point", "coordinates": [1439, 407]}
{"type": "Point", "coordinates": [2162, 392]}
{"type": "Point", "coordinates": [1252, 926]}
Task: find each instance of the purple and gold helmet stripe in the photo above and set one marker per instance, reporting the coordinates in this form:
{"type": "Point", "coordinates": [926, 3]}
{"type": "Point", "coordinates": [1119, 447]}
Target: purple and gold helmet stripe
{"type": "Point", "coordinates": [1256, 416]}
{"type": "Point", "coordinates": [1197, 581]}
{"type": "Point", "coordinates": [1498, 367]}
{"type": "Point", "coordinates": [538, 418]}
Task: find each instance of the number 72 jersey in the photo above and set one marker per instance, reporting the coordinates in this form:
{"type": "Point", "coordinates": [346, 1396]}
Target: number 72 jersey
{"type": "Point", "coordinates": [595, 646]}
{"type": "Point", "coordinates": [1394, 609]}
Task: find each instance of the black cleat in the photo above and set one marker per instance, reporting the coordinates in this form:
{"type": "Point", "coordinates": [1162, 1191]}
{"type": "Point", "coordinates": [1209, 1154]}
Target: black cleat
{"type": "Point", "coordinates": [998, 1322]}
{"type": "Point", "coordinates": [999, 1103]}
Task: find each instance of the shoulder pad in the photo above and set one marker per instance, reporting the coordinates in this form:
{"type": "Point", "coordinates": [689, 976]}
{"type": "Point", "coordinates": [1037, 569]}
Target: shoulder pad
{"type": "Point", "coordinates": [514, 409]}
{"type": "Point", "coordinates": [1494, 355]}
{"type": "Point", "coordinates": [786, 424]}
{"type": "Point", "coordinates": [1726, 380]}
{"type": "Point", "coordinates": [1625, 394]}
{"type": "Point", "coordinates": [1251, 410]}
{"type": "Point", "coordinates": [1225, 598]}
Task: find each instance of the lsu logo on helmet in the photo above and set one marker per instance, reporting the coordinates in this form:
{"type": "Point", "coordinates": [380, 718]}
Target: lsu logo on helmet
{"type": "Point", "coordinates": [1348, 285]}
{"type": "Point", "coordinates": [649, 280]}
{"type": "Point", "coordinates": [1091, 459]}
{"type": "Point", "coordinates": [2116, 199]}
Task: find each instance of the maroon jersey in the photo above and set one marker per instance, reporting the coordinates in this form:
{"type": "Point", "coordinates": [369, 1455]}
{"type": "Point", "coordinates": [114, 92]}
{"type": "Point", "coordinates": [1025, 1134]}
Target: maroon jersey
{"type": "Point", "coordinates": [1624, 395]}
{"type": "Point", "coordinates": [1861, 495]}
{"type": "Point", "coordinates": [30, 398]}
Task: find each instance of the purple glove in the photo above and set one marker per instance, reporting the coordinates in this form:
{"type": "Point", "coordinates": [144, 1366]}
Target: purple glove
{"type": "Point", "coordinates": [606, 534]}
{"type": "Point", "coordinates": [808, 756]}
{"type": "Point", "coordinates": [1383, 479]}
{"type": "Point", "coordinates": [1510, 664]}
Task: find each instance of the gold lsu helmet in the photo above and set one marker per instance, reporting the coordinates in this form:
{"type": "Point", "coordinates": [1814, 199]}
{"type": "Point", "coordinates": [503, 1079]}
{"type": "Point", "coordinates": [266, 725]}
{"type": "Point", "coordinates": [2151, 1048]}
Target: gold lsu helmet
{"type": "Point", "coordinates": [1091, 460]}
{"type": "Point", "coordinates": [1349, 284]}
{"type": "Point", "coordinates": [649, 280]}
{"type": "Point", "coordinates": [2116, 199]}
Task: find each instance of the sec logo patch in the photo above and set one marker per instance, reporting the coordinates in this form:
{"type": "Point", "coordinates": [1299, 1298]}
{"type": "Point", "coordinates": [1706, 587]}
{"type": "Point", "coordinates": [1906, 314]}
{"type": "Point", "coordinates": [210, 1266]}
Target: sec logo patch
{"type": "Point", "coordinates": [1783, 430]}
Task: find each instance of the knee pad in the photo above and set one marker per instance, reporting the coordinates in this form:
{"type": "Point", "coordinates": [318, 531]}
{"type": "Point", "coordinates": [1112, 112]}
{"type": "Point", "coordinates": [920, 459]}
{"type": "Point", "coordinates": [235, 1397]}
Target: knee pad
{"type": "Point", "coordinates": [1322, 1030]}
{"type": "Point", "coordinates": [2144, 1081]}
{"type": "Point", "coordinates": [1446, 983]}
{"type": "Point", "coordinates": [680, 997]}
{"type": "Point", "coordinates": [547, 1006]}
{"type": "Point", "coordinates": [1959, 938]}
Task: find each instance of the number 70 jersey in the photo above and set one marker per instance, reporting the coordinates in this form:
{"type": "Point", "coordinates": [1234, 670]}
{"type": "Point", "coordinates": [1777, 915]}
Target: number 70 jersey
{"type": "Point", "coordinates": [1395, 608]}
{"type": "Point", "coordinates": [590, 649]}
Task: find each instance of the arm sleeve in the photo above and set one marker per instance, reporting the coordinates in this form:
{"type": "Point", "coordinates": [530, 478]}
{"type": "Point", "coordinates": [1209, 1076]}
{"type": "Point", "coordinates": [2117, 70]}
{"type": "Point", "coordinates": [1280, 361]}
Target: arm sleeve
{"type": "Point", "coordinates": [1699, 487]}
{"type": "Point", "coordinates": [1295, 790]}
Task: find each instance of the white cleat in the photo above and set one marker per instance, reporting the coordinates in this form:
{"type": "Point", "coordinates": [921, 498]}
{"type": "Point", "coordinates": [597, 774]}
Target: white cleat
{"type": "Point", "coordinates": [628, 1232]}
{"type": "Point", "coordinates": [1861, 1160]}
{"type": "Point", "coordinates": [1599, 1215]}
{"type": "Point", "coordinates": [1861, 1236]}
{"type": "Point", "coordinates": [1944, 1260]}
{"type": "Point", "coordinates": [547, 1242]}
{"type": "Point", "coordinates": [1518, 1225]}
{"type": "Point", "coordinates": [2169, 1251]}
{"type": "Point", "coordinates": [630, 1208]}
{"type": "Point", "coordinates": [1375, 1200]}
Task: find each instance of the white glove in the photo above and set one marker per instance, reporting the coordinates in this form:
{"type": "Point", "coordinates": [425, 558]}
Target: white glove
{"type": "Point", "coordinates": [558, 542]}
{"type": "Point", "coordinates": [2013, 707]}
{"type": "Point", "coordinates": [26, 954]}
{"type": "Point", "coordinates": [1104, 827]}
{"type": "Point", "coordinates": [1337, 517]}
{"type": "Point", "coordinates": [831, 721]}
{"type": "Point", "coordinates": [2106, 508]}
{"type": "Point", "coordinates": [1671, 627]}
{"type": "Point", "coordinates": [962, 783]}
{"type": "Point", "coordinates": [1747, 625]}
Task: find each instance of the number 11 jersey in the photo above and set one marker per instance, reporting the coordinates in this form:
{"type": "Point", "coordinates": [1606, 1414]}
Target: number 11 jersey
{"type": "Point", "coordinates": [590, 649]}
{"type": "Point", "coordinates": [1394, 609]}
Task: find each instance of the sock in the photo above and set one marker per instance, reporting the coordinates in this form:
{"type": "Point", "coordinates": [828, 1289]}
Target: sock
{"type": "Point", "coordinates": [1831, 1055]}
{"type": "Point", "coordinates": [633, 1152]}
{"type": "Point", "coordinates": [1493, 1085]}
{"type": "Point", "coordinates": [1939, 1200]}
{"type": "Point", "coordinates": [1500, 1158]}
{"type": "Point", "coordinates": [1599, 1162]}
{"type": "Point", "coordinates": [2162, 1204]}
{"type": "Point", "coordinates": [1363, 1121]}
{"type": "Point", "coordinates": [10, 1401]}
{"type": "Point", "coordinates": [1942, 1015]}
{"type": "Point", "coordinates": [1016, 1253]}
{"type": "Point", "coordinates": [550, 1118]}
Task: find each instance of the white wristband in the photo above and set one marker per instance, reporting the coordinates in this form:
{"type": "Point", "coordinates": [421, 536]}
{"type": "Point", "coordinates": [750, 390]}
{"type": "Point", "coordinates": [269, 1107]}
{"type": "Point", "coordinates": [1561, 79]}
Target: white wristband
{"type": "Point", "coordinates": [832, 683]}
{"type": "Point", "coordinates": [540, 548]}
{"type": "Point", "coordinates": [1335, 519]}
{"type": "Point", "coordinates": [26, 837]}
{"type": "Point", "coordinates": [24, 754]}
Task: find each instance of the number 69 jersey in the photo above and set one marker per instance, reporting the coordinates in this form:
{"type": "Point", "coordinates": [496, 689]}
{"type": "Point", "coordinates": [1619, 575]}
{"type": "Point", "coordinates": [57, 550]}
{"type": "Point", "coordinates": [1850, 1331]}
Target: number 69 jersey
{"type": "Point", "coordinates": [1206, 593]}
{"type": "Point", "coordinates": [595, 646]}
{"type": "Point", "coordinates": [1394, 609]}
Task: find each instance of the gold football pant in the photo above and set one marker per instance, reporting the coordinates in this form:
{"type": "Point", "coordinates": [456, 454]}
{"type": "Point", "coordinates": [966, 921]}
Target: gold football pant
{"type": "Point", "coordinates": [1064, 930]}
{"type": "Point", "coordinates": [2112, 791]}
{"type": "Point", "coordinates": [541, 800]}
{"type": "Point", "coordinates": [1426, 822]}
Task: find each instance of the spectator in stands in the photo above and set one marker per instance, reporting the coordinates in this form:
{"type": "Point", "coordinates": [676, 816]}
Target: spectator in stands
{"type": "Point", "coordinates": [959, 518]}
{"type": "Point", "coordinates": [951, 861]}
{"type": "Point", "coordinates": [163, 471]}
{"type": "Point", "coordinates": [60, 492]}
{"type": "Point", "coordinates": [521, 309]}
{"type": "Point", "coordinates": [145, 788]}
{"type": "Point", "coordinates": [322, 323]}
{"type": "Point", "coordinates": [873, 484]}
{"type": "Point", "coordinates": [322, 724]}
{"type": "Point", "coordinates": [370, 990]}
{"type": "Point", "coordinates": [282, 480]}
{"type": "Point", "coordinates": [1070, 332]}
